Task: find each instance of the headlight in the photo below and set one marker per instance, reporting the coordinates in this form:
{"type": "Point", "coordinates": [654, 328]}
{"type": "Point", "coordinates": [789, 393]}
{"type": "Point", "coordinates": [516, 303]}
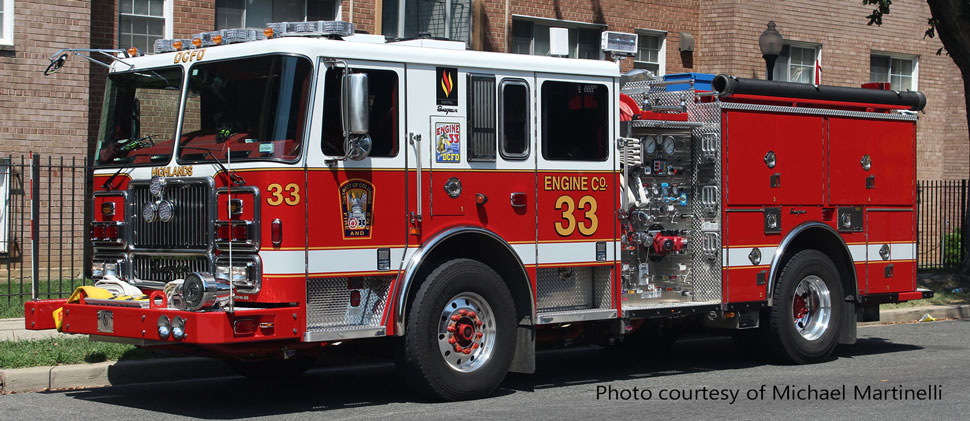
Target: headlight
{"type": "Point", "coordinates": [240, 276]}
{"type": "Point", "coordinates": [166, 211]}
{"type": "Point", "coordinates": [149, 212]}
{"type": "Point", "coordinates": [97, 270]}
{"type": "Point", "coordinates": [200, 290]}
{"type": "Point", "coordinates": [155, 187]}
{"type": "Point", "coordinates": [111, 269]}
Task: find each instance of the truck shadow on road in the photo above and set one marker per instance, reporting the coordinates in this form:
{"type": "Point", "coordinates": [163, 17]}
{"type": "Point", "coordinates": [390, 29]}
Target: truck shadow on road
{"type": "Point", "coordinates": [377, 383]}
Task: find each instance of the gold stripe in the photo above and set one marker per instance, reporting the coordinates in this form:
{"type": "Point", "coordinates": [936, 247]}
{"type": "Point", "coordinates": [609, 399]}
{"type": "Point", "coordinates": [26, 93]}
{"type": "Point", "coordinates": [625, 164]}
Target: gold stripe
{"type": "Point", "coordinates": [582, 240]}
{"type": "Point", "coordinates": [549, 265]}
{"type": "Point", "coordinates": [749, 246]}
{"type": "Point", "coordinates": [747, 267]}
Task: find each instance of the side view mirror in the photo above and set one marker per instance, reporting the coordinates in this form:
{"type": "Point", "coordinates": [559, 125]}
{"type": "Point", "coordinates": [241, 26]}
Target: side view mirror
{"type": "Point", "coordinates": [355, 115]}
{"type": "Point", "coordinates": [355, 109]}
{"type": "Point", "coordinates": [56, 65]}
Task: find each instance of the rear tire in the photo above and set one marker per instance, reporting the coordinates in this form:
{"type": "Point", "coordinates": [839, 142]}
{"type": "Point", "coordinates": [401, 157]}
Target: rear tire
{"type": "Point", "coordinates": [460, 335]}
{"type": "Point", "coordinates": [804, 322]}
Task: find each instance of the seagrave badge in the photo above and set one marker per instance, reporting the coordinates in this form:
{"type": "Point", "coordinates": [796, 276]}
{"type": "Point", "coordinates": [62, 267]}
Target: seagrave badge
{"type": "Point", "coordinates": [447, 86]}
{"type": "Point", "coordinates": [357, 206]}
{"type": "Point", "coordinates": [447, 142]}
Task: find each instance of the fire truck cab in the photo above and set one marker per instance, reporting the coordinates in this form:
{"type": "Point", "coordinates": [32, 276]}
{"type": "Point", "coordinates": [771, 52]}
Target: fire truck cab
{"type": "Point", "coordinates": [260, 195]}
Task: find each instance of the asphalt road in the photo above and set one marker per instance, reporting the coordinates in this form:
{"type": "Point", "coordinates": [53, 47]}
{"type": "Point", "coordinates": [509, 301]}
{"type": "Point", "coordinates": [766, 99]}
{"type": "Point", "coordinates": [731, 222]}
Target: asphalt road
{"type": "Point", "coordinates": [932, 356]}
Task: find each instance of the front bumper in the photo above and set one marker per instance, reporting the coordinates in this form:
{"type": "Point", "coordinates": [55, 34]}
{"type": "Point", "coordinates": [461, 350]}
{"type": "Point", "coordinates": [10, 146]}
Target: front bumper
{"type": "Point", "coordinates": [141, 324]}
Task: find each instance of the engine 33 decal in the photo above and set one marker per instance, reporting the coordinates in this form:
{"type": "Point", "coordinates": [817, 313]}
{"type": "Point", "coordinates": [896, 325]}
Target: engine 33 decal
{"type": "Point", "coordinates": [357, 207]}
{"type": "Point", "coordinates": [448, 142]}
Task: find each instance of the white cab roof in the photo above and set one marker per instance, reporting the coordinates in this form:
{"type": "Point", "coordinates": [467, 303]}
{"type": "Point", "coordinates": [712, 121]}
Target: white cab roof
{"type": "Point", "coordinates": [392, 52]}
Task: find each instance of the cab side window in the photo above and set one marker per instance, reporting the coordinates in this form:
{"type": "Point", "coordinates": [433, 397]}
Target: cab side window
{"type": "Point", "coordinates": [514, 123]}
{"type": "Point", "coordinates": [575, 121]}
{"type": "Point", "coordinates": [383, 88]}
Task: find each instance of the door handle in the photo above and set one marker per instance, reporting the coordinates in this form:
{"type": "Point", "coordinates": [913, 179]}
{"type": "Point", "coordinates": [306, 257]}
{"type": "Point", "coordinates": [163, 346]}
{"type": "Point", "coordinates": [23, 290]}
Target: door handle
{"type": "Point", "coordinates": [519, 200]}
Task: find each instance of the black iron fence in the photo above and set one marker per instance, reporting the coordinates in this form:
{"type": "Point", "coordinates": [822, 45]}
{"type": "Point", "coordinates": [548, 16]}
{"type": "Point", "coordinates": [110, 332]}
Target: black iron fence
{"type": "Point", "coordinates": [43, 227]}
{"type": "Point", "coordinates": [941, 224]}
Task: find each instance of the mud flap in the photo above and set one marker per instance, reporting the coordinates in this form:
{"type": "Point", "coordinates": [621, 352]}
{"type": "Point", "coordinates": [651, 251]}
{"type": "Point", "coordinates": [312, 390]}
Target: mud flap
{"type": "Point", "coordinates": [524, 360]}
{"type": "Point", "coordinates": [847, 332]}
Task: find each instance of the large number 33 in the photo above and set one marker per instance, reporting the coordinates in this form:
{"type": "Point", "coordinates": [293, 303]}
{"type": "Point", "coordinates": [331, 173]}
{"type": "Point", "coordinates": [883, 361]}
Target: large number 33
{"type": "Point", "coordinates": [567, 227]}
{"type": "Point", "coordinates": [276, 194]}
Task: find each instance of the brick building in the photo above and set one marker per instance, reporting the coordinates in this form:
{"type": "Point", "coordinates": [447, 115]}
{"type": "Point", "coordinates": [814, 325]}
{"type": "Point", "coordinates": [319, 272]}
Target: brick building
{"type": "Point", "coordinates": [826, 41]}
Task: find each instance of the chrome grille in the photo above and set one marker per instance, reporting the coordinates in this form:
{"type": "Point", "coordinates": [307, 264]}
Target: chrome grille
{"type": "Point", "coordinates": [167, 268]}
{"type": "Point", "coordinates": [187, 230]}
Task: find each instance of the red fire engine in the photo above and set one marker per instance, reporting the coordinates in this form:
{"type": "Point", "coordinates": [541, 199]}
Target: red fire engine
{"type": "Point", "coordinates": [260, 195]}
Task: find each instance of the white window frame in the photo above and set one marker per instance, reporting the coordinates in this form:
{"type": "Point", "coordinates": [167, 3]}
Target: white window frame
{"type": "Point", "coordinates": [6, 38]}
{"type": "Point", "coordinates": [168, 13]}
{"type": "Point", "coordinates": [800, 44]}
{"type": "Point", "coordinates": [899, 56]}
{"type": "Point", "coordinates": [661, 54]}
{"type": "Point", "coordinates": [338, 12]}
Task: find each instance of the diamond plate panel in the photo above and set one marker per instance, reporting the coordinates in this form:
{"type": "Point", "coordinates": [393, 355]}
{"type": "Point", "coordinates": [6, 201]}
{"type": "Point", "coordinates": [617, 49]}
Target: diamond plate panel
{"type": "Point", "coordinates": [328, 303]}
{"type": "Point", "coordinates": [706, 249]}
{"type": "Point", "coordinates": [574, 288]}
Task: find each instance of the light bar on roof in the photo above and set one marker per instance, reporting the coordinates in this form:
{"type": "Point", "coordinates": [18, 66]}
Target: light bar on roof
{"type": "Point", "coordinates": [230, 36]}
{"type": "Point", "coordinates": [170, 45]}
{"type": "Point", "coordinates": [312, 28]}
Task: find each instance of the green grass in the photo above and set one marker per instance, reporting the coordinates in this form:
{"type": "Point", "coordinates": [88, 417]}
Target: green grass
{"type": "Point", "coordinates": [11, 307]}
{"type": "Point", "coordinates": [948, 288]}
{"type": "Point", "coordinates": [54, 351]}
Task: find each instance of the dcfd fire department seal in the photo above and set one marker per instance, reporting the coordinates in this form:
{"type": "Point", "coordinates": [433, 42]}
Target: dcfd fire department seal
{"type": "Point", "coordinates": [357, 206]}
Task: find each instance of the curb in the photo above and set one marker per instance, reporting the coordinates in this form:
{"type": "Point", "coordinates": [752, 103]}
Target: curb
{"type": "Point", "coordinates": [110, 373]}
{"type": "Point", "coordinates": [913, 314]}
{"type": "Point", "coordinates": [113, 373]}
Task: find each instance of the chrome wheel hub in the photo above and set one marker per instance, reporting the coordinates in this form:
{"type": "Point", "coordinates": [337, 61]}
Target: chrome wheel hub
{"type": "Point", "coordinates": [466, 332]}
{"type": "Point", "coordinates": [811, 307]}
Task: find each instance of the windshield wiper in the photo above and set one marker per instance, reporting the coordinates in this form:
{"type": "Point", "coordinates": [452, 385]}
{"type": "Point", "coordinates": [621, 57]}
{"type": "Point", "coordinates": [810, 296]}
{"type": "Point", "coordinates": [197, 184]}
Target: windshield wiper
{"type": "Point", "coordinates": [236, 179]}
{"type": "Point", "coordinates": [107, 183]}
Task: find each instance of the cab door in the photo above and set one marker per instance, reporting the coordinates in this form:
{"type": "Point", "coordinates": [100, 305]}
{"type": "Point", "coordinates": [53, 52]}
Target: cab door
{"type": "Point", "coordinates": [356, 210]}
{"type": "Point", "coordinates": [576, 192]}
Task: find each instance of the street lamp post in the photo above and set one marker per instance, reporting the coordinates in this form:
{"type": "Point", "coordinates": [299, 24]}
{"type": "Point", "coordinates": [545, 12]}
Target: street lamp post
{"type": "Point", "coordinates": [771, 43]}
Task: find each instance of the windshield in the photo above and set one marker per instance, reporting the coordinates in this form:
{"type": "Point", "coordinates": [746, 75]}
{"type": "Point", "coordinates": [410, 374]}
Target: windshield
{"type": "Point", "coordinates": [139, 117]}
{"type": "Point", "coordinates": [256, 107]}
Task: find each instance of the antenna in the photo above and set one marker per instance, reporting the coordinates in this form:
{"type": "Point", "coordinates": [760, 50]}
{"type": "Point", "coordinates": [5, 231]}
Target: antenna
{"type": "Point", "coordinates": [232, 285]}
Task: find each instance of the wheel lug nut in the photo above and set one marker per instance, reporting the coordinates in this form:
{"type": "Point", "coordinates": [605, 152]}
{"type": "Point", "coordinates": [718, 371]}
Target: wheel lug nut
{"type": "Point", "coordinates": [452, 340]}
{"type": "Point", "coordinates": [456, 317]}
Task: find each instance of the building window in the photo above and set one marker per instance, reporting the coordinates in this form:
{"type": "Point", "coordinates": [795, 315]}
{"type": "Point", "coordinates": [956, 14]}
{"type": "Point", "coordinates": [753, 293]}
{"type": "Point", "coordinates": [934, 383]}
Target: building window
{"type": "Point", "coordinates": [899, 71]}
{"type": "Point", "coordinates": [6, 22]}
{"type": "Point", "coordinates": [449, 19]}
{"type": "Point", "coordinates": [575, 121]}
{"type": "Point", "coordinates": [256, 14]}
{"type": "Point", "coordinates": [651, 52]}
{"type": "Point", "coordinates": [532, 37]}
{"type": "Point", "coordinates": [797, 63]}
{"type": "Point", "coordinates": [141, 22]}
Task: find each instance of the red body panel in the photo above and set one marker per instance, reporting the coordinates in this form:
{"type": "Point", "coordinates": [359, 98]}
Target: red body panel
{"type": "Point", "coordinates": [891, 147]}
{"type": "Point", "coordinates": [796, 141]}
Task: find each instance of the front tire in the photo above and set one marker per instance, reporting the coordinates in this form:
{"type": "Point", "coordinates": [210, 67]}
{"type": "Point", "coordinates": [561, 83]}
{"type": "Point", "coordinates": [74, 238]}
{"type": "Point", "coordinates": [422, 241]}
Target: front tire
{"type": "Point", "coordinates": [805, 320]}
{"type": "Point", "coordinates": [460, 334]}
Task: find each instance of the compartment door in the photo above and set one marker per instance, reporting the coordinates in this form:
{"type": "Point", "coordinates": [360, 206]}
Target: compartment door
{"type": "Point", "coordinates": [887, 148]}
{"type": "Point", "coordinates": [795, 176]}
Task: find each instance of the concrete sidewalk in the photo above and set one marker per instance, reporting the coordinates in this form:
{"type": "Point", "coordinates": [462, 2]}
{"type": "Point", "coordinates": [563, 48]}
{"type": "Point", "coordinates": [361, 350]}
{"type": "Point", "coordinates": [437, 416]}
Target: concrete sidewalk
{"type": "Point", "coordinates": [14, 330]}
{"type": "Point", "coordinates": [110, 373]}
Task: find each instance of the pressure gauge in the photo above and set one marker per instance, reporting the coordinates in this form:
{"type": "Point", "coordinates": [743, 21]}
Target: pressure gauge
{"type": "Point", "coordinates": [650, 145]}
{"type": "Point", "coordinates": [668, 144]}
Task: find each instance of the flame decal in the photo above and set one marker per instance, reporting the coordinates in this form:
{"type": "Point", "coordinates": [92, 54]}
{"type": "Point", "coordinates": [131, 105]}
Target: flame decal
{"type": "Point", "coordinates": [446, 83]}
